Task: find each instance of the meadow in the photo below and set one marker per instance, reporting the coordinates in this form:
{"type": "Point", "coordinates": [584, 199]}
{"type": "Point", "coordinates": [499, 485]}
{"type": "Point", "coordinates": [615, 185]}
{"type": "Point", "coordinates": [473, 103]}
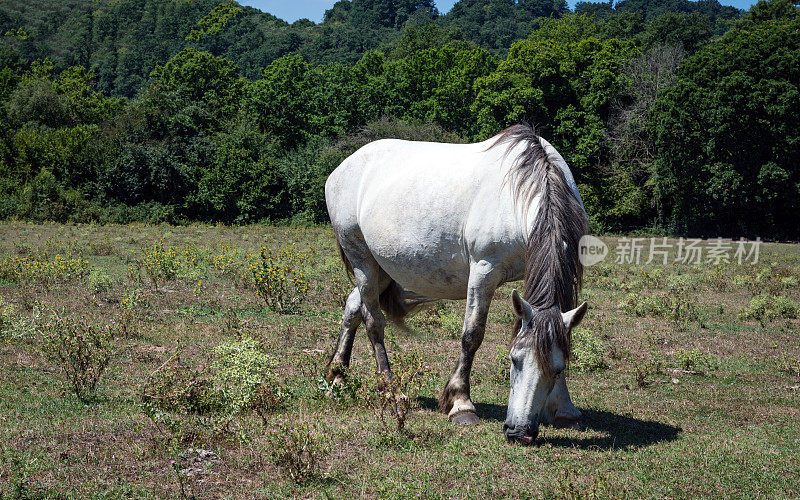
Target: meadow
{"type": "Point", "coordinates": [153, 361]}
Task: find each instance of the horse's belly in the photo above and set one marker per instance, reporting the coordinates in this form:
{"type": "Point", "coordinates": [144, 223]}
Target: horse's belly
{"type": "Point", "coordinates": [444, 279]}
{"type": "Point", "coordinates": [434, 265]}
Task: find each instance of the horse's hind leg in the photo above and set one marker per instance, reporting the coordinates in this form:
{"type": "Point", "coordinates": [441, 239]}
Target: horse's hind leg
{"type": "Point", "coordinates": [351, 318]}
{"type": "Point", "coordinates": [371, 280]}
{"type": "Point", "coordinates": [374, 281]}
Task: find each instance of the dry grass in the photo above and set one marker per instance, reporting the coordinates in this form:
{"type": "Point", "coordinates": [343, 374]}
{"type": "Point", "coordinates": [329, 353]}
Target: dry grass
{"type": "Point", "coordinates": [731, 429]}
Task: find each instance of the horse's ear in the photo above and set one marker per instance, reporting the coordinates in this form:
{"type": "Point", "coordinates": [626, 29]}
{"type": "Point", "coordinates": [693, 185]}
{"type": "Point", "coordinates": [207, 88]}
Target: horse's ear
{"type": "Point", "coordinates": [521, 307]}
{"type": "Point", "coordinates": [573, 318]}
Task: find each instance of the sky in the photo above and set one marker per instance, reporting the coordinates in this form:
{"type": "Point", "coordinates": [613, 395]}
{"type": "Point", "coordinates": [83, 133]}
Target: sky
{"type": "Point", "coordinates": [292, 10]}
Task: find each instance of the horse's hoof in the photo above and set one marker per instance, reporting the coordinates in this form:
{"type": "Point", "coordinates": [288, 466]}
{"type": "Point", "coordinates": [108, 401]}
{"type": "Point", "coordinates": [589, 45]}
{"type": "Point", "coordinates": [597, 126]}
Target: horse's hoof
{"type": "Point", "coordinates": [568, 423]}
{"type": "Point", "coordinates": [465, 417]}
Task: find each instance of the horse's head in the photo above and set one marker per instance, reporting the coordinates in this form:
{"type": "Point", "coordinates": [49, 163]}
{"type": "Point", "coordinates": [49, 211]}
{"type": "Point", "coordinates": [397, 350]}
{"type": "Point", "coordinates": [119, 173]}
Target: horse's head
{"type": "Point", "coordinates": [539, 353]}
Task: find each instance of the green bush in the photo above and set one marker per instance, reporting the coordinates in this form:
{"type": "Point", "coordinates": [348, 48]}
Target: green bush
{"type": "Point", "coordinates": [280, 280]}
{"type": "Point", "coordinates": [769, 307]}
{"type": "Point", "coordinates": [243, 375]}
{"type": "Point", "coordinates": [296, 449]}
{"type": "Point", "coordinates": [81, 349]}
{"type": "Point", "coordinates": [587, 350]}
{"type": "Point", "coordinates": [676, 304]}
{"type": "Point", "coordinates": [695, 361]}
{"type": "Point", "coordinates": [200, 403]}
{"type": "Point", "coordinates": [99, 281]}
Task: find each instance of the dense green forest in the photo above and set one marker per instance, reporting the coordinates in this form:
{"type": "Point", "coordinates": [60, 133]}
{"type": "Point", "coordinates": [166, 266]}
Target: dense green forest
{"type": "Point", "coordinates": [674, 115]}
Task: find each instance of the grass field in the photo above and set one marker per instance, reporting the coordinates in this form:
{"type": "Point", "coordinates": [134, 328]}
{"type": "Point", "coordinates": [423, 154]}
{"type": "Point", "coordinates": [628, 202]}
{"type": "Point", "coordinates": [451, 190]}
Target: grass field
{"type": "Point", "coordinates": [688, 377]}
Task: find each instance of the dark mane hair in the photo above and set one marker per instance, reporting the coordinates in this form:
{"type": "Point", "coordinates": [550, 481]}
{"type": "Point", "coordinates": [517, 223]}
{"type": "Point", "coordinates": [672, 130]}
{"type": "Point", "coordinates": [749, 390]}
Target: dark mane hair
{"type": "Point", "coordinates": [553, 272]}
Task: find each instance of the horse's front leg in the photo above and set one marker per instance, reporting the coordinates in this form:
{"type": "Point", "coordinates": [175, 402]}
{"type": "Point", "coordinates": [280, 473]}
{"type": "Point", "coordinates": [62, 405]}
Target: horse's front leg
{"type": "Point", "coordinates": [455, 400]}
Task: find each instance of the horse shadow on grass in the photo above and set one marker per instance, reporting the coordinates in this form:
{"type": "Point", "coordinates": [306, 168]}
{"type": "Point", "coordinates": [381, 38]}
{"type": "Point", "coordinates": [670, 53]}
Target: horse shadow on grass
{"type": "Point", "coordinates": [603, 430]}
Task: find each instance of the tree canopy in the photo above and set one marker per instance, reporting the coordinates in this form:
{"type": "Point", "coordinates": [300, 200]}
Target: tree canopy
{"type": "Point", "coordinates": [678, 115]}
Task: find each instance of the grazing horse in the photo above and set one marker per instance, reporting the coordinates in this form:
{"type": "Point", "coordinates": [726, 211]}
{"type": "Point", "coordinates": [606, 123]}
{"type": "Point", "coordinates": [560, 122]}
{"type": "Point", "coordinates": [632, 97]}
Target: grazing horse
{"type": "Point", "coordinates": [416, 219]}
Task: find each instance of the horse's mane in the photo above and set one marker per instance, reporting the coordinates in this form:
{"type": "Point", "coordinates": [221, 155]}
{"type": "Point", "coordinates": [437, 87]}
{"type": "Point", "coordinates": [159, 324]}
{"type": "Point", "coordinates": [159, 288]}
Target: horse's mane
{"type": "Point", "coordinates": [553, 272]}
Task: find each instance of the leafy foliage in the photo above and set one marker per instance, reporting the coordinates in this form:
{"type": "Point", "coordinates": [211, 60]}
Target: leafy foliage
{"type": "Point", "coordinates": [81, 349]}
{"type": "Point", "coordinates": [676, 114]}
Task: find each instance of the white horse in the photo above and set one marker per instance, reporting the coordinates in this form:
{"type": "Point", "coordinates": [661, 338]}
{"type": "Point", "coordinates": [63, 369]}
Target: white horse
{"type": "Point", "coordinates": [456, 221]}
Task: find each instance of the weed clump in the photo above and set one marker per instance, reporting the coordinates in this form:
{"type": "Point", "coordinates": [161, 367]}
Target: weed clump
{"type": "Point", "coordinates": [7, 317]}
{"type": "Point", "coordinates": [244, 378]}
{"type": "Point", "coordinates": [81, 349]}
{"type": "Point", "coordinates": [769, 307]}
{"type": "Point", "coordinates": [99, 281]}
{"type": "Point", "coordinates": [675, 304]}
{"type": "Point", "coordinates": [296, 450]}
{"type": "Point", "coordinates": [587, 350]}
{"type": "Point", "coordinates": [280, 280]}
{"type": "Point", "coordinates": [42, 269]}
{"type": "Point", "coordinates": [398, 393]}
{"type": "Point", "coordinates": [194, 402]}
{"type": "Point", "coordinates": [343, 392]}
{"type": "Point", "coordinates": [695, 361]}
{"type": "Point", "coordinates": [440, 317]}
{"type": "Point", "coordinates": [645, 368]}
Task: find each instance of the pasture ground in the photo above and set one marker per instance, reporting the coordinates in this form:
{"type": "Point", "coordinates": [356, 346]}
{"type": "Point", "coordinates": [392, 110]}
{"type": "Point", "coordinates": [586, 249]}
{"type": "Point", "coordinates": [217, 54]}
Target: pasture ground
{"type": "Point", "coordinates": [681, 396]}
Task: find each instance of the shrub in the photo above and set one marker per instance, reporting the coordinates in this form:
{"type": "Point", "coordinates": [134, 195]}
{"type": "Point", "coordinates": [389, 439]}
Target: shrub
{"type": "Point", "coordinates": [344, 391]}
{"type": "Point", "coordinates": [769, 307]}
{"type": "Point", "coordinates": [199, 403]}
{"type": "Point", "coordinates": [176, 390]}
{"type": "Point", "coordinates": [81, 349]}
{"type": "Point", "coordinates": [279, 279]}
{"type": "Point", "coordinates": [397, 394]}
{"type": "Point", "coordinates": [43, 269]}
{"type": "Point", "coordinates": [296, 450]}
{"type": "Point", "coordinates": [244, 378]}
{"type": "Point", "coordinates": [160, 263]}
{"type": "Point", "coordinates": [675, 304]}
{"type": "Point", "coordinates": [231, 264]}
{"type": "Point", "coordinates": [695, 361]}
{"type": "Point", "coordinates": [646, 367]}
{"type": "Point", "coordinates": [587, 350]}
{"type": "Point", "coordinates": [99, 281]}
{"type": "Point", "coordinates": [13, 327]}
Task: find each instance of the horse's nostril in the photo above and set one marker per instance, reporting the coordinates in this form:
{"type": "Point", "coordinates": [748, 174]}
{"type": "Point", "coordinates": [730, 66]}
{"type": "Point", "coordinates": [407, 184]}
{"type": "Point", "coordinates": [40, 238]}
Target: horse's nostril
{"type": "Point", "coordinates": [506, 428]}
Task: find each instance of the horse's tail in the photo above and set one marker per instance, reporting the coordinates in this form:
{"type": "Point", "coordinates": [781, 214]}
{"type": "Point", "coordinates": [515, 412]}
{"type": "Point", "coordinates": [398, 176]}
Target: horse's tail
{"type": "Point", "coordinates": [396, 303]}
{"type": "Point", "coordinates": [345, 261]}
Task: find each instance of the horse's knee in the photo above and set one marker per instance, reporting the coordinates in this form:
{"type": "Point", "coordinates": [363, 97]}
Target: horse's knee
{"type": "Point", "coordinates": [374, 321]}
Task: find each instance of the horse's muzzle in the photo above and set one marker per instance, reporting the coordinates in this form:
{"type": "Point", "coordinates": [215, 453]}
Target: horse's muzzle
{"type": "Point", "coordinates": [525, 434]}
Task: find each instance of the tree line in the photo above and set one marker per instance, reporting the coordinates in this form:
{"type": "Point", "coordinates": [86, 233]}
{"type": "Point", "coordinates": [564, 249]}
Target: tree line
{"type": "Point", "coordinates": [678, 116]}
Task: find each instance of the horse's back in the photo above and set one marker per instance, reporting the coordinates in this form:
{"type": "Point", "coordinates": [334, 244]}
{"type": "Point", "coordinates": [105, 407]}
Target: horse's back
{"type": "Point", "coordinates": [410, 203]}
{"type": "Point", "coordinates": [390, 178]}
